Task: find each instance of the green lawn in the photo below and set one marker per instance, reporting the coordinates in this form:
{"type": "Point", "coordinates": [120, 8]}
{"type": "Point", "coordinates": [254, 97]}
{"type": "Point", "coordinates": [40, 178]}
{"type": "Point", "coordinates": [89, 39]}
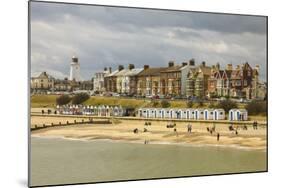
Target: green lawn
{"type": "Point", "coordinates": [43, 101]}
{"type": "Point", "coordinates": [50, 101]}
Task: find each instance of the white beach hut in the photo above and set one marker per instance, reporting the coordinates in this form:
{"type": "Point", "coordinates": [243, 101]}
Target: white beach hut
{"type": "Point", "coordinates": [174, 113]}
{"type": "Point", "coordinates": [184, 113]}
{"type": "Point", "coordinates": [191, 113]}
{"type": "Point", "coordinates": [152, 112]}
{"type": "Point", "coordinates": [238, 115]}
{"type": "Point", "coordinates": [95, 110]}
{"type": "Point", "coordinates": [219, 114]}
{"type": "Point", "coordinates": [231, 115]}
{"type": "Point", "coordinates": [145, 112]}
{"type": "Point", "coordinates": [198, 114]}
{"type": "Point", "coordinates": [209, 114]}
{"type": "Point", "coordinates": [139, 113]}
{"type": "Point", "coordinates": [160, 112]}
{"type": "Point", "coordinates": [121, 111]}
{"type": "Point", "coordinates": [243, 115]}
{"type": "Point", "coordinates": [167, 114]}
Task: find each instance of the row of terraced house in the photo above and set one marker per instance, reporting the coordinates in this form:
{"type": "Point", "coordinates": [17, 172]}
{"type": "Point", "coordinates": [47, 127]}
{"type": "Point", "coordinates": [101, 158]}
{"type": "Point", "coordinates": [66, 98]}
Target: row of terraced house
{"type": "Point", "coordinates": [185, 80]}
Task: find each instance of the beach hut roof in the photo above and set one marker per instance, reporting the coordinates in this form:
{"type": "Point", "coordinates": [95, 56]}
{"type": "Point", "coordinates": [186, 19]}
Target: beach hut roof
{"type": "Point", "coordinates": [242, 110]}
{"type": "Point", "coordinates": [219, 109]}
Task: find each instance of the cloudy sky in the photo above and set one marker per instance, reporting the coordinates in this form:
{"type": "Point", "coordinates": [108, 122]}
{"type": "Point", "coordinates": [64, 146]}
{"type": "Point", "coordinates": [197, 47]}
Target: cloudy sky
{"type": "Point", "coordinates": [107, 36]}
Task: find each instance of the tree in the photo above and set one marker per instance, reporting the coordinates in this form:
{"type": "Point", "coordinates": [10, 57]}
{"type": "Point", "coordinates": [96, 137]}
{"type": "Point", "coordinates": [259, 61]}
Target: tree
{"type": "Point", "coordinates": [200, 103]}
{"type": "Point", "coordinates": [165, 104]}
{"type": "Point", "coordinates": [256, 107]}
{"type": "Point", "coordinates": [212, 105]}
{"type": "Point", "coordinates": [189, 104]}
{"type": "Point", "coordinates": [63, 99]}
{"type": "Point", "coordinates": [80, 98]}
{"type": "Point", "coordinates": [227, 105]}
{"type": "Point", "coordinates": [155, 103]}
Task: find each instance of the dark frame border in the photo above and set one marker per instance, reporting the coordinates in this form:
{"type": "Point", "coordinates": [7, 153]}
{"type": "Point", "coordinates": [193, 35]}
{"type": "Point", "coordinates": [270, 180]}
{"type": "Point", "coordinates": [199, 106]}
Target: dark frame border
{"type": "Point", "coordinates": [145, 8]}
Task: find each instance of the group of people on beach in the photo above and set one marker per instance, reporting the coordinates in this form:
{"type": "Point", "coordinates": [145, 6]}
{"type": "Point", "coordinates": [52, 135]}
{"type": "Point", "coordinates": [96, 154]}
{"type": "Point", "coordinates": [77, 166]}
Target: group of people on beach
{"type": "Point", "coordinates": [211, 130]}
{"type": "Point", "coordinates": [48, 111]}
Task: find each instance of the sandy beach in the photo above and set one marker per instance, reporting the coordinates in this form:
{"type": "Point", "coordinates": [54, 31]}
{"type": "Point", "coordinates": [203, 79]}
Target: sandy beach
{"type": "Point", "coordinates": [157, 132]}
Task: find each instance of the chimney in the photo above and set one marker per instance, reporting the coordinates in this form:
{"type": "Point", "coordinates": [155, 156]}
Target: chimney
{"type": "Point", "coordinates": [229, 67]}
{"type": "Point", "coordinates": [109, 69]}
{"type": "Point", "coordinates": [105, 69]}
{"type": "Point", "coordinates": [203, 63]}
{"type": "Point", "coordinates": [146, 67]}
{"type": "Point", "coordinates": [171, 63]}
{"type": "Point", "coordinates": [120, 67]}
{"type": "Point", "coordinates": [131, 66]}
{"type": "Point", "coordinates": [184, 64]}
{"type": "Point", "coordinates": [192, 62]}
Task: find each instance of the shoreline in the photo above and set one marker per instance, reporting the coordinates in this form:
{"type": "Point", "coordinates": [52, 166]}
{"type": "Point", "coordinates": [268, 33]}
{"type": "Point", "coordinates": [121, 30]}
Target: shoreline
{"type": "Point", "coordinates": [183, 144]}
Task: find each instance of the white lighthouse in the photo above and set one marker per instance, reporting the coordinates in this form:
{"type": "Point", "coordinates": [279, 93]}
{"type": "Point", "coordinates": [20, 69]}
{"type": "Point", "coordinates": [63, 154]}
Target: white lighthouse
{"type": "Point", "coordinates": [75, 69]}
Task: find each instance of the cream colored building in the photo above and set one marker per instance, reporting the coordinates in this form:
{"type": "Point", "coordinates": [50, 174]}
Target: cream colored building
{"type": "Point", "coordinates": [42, 82]}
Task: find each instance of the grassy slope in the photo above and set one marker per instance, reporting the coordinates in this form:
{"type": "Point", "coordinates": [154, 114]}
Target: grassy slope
{"type": "Point", "coordinates": [50, 101]}
{"type": "Point", "coordinates": [43, 101]}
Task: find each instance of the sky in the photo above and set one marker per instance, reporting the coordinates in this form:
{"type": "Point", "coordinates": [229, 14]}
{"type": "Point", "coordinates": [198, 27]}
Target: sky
{"type": "Point", "coordinates": [108, 36]}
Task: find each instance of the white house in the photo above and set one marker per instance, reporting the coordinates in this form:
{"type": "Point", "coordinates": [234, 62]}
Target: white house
{"type": "Point", "coordinates": [98, 80]}
{"type": "Point", "coordinates": [184, 70]}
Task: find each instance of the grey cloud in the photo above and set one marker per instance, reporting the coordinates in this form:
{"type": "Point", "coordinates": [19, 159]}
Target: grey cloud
{"type": "Point", "coordinates": [105, 36]}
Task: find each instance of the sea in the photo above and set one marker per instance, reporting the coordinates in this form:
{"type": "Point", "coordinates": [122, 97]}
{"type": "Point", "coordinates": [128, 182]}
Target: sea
{"type": "Point", "coordinates": [56, 161]}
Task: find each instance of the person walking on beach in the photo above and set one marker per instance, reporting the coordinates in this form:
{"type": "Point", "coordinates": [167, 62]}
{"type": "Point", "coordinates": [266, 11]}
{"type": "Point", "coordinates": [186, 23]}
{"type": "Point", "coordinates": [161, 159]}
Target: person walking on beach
{"type": "Point", "coordinates": [218, 136]}
{"type": "Point", "coordinates": [255, 125]}
{"type": "Point", "coordinates": [189, 128]}
{"type": "Point", "coordinates": [175, 130]}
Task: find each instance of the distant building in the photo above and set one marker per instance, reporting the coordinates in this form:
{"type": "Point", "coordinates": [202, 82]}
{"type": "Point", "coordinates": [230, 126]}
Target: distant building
{"type": "Point", "coordinates": [43, 82]}
{"type": "Point", "coordinates": [173, 79]}
{"type": "Point", "coordinates": [86, 85]}
{"type": "Point", "coordinates": [244, 80]}
{"type": "Point", "coordinates": [110, 80]}
{"type": "Point", "coordinates": [262, 91]}
{"type": "Point", "coordinates": [63, 85]}
{"type": "Point", "coordinates": [98, 80]}
{"type": "Point", "coordinates": [219, 81]}
{"type": "Point", "coordinates": [127, 80]}
{"type": "Point", "coordinates": [148, 83]}
{"type": "Point", "coordinates": [74, 69]}
{"type": "Point", "coordinates": [197, 81]}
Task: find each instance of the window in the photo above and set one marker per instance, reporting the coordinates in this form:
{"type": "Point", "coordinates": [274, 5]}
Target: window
{"type": "Point", "coordinates": [221, 113]}
{"type": "Point", "coordinates": [201, 112]}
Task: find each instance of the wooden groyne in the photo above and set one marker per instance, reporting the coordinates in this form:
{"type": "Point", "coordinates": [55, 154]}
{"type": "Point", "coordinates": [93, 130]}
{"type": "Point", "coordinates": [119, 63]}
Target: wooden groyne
{"type": "Point", "coordinates": [68, 123]}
